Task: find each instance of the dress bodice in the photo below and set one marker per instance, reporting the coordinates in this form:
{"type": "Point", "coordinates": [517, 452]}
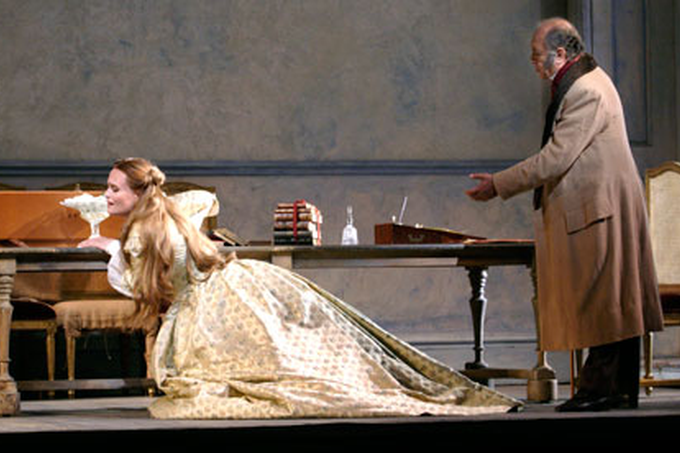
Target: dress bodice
{"type": "Point", "coordinates": [122, 277]}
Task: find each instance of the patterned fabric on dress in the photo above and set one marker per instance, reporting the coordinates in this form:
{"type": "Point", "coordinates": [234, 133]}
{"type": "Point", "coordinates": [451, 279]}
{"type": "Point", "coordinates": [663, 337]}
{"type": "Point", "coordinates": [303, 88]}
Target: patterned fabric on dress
{"type": "Point", "coordinates": [254, 340]}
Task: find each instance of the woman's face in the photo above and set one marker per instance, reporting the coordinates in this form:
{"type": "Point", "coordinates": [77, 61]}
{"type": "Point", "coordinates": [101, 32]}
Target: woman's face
{"type": "Point", "coordinates": [120, 198]}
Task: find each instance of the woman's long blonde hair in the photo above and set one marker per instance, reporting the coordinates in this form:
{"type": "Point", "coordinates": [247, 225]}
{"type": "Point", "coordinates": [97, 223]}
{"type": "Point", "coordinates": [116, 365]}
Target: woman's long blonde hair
{"type": "Point", "coordinates": [154, 291]}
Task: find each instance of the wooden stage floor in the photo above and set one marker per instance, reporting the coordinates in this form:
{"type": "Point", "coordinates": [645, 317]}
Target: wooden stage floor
{"type": "Point", "coordinates": [120, 420]}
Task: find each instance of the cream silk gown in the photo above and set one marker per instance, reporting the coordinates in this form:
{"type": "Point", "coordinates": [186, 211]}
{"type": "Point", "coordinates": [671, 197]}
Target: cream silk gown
{"type": "Point", "coordinates": [256, 341]}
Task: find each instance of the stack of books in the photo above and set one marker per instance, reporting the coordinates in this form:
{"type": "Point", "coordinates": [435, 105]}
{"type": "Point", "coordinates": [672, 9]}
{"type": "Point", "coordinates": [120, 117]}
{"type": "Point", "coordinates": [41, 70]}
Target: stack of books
{"type": "Point", "coordinates": [297, 223]}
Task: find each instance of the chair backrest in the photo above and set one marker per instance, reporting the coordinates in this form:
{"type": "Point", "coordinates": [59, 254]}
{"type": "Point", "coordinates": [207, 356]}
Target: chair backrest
{"type": "Point", "coordinates": [175, 187]}
{"type": "Point", "coordinates": [663, 202]}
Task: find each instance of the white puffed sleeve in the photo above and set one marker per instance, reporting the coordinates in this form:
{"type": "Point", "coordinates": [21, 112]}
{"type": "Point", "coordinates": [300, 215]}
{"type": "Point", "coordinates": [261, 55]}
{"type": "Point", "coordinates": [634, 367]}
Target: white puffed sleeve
{"type": "Point", "coordinates": [116, 269]}
{"type": "Point", "coordinates": [120, 275]}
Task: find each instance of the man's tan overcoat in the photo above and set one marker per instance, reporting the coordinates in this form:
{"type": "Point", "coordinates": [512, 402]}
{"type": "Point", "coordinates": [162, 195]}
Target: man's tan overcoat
{"type": "Point", "coordinates": [596, 277]}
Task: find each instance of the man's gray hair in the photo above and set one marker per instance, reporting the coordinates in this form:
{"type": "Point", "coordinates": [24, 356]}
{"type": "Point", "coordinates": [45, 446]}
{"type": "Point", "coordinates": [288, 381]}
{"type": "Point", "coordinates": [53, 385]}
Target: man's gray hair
{"type": "Point", "coordinates": [565, 36]}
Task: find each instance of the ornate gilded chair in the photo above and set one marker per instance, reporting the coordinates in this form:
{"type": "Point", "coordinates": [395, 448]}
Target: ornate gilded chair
{"type": "Point", "coordinates": [663, 201]}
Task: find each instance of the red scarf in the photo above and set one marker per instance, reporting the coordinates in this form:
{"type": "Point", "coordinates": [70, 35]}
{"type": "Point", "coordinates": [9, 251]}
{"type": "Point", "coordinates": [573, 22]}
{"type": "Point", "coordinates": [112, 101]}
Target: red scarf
{"type": "Point", "coordinates": [560, 74]}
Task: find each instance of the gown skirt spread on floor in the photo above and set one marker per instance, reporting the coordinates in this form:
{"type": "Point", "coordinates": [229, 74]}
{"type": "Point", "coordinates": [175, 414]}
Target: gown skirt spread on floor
{"type": "Point", "coordinates": [254, 341]}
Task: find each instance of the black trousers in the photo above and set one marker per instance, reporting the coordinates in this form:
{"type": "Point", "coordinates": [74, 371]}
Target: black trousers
{"type": "Point", "coordinates": [612, 369]}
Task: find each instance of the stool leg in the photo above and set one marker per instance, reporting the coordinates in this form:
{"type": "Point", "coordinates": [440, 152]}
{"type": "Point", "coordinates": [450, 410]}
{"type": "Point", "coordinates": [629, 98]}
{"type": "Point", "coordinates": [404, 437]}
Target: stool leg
{"type": "Point", "coordinates": [149, 341]}
{"type": "Point", "coordinates": [648, 346]}
{"type": "Point", "coordinates": [50, 347]}
{"type": "Point", "coordinates": [71, 361]}
{"type": "Point", "coordinates": [572, 372]}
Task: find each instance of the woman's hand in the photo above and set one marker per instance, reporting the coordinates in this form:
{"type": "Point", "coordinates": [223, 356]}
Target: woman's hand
{"type": "Point", "coordinates": [99, 242]}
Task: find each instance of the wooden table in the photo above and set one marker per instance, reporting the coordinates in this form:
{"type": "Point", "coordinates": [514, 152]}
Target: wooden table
{"type": "Point", "coordinates": [476, 258]}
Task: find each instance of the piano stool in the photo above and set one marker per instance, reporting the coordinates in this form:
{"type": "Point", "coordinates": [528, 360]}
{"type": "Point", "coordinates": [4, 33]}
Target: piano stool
{"type": "Point", "coordinates": [31, 314]}
{"type": "Point", "coordinates": [80, 316]}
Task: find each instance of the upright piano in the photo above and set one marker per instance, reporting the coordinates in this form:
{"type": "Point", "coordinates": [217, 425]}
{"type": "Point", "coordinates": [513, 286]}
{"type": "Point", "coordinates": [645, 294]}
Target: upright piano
{"type": "Point", "coordinates": [37, 219]}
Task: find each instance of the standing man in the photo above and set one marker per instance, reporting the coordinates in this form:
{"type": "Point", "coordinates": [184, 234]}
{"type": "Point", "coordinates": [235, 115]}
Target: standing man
{"type": "Point", "coordinates": [597, 285]}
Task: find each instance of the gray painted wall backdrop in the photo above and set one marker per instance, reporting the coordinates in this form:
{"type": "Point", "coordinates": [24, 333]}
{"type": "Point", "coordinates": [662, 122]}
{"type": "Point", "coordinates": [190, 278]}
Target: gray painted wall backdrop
{"type": "Point", "coordinates": [263, 80]}
{"type": "Point", "coordinates": [207, 88]}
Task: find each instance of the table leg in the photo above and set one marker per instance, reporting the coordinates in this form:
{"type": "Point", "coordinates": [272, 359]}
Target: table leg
{"type": "Point", "coordinates": [9, 395]}
{"type": "Point", "coordinates": [542, 384]}
{"type": "Point", "coordinates": [477, 277]}
{"type": "Point", "coordinates": [541, 379]}
{"type": "Point", "coordinates": [284, 260]}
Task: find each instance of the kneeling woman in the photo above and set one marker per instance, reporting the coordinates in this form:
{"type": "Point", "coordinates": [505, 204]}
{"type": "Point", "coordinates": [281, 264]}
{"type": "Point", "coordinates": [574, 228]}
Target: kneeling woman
{"type": "Point", "coordinates": [247, 339]}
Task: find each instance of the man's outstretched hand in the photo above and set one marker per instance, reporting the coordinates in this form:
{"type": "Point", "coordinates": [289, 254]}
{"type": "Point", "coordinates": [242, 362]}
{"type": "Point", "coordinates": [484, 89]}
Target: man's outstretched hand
{"type": "Point", "coordinates": [484, 190]}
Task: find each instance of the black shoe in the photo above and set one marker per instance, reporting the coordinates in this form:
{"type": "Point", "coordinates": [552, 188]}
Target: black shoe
{"type": "Point", "coordinates": [576, 402]}
{"type": "Point", "coordinates": [597, 403]}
